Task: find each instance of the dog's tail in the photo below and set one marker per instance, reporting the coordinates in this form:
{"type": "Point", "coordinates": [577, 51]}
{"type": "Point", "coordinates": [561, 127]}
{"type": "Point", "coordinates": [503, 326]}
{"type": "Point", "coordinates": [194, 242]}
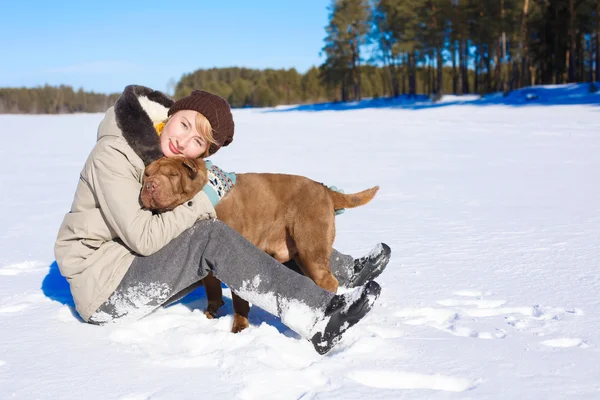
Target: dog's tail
{"type": "Point", "coordinates": [341, 200]}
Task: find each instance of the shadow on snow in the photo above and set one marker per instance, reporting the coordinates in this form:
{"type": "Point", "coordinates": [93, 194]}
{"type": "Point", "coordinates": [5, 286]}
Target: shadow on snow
{"type": "Point", "coordinates": [547, 95]}
{"type": "Point", "coordinates": [56, 287]}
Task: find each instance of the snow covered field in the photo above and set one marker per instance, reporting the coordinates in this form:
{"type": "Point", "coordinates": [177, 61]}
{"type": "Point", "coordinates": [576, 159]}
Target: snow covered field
{"type": "Point", "coordinates": [492, 292]}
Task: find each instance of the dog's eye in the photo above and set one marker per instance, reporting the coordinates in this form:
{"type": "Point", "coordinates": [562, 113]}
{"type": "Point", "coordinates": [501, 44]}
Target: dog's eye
{"type": "Point", "coordinates": [174, 174]}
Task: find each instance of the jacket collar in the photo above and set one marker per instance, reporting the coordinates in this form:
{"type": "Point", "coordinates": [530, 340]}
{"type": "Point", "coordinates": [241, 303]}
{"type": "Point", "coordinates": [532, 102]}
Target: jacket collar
{"type": "Point", "coordinates": [136, 111]}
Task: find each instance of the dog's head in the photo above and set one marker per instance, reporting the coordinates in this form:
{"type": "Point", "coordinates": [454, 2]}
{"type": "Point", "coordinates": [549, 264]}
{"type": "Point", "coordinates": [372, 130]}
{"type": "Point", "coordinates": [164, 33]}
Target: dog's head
{"type": "Point", "coordinates": [169, 182]}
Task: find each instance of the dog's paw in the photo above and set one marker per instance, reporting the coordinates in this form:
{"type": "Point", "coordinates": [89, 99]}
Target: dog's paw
{"type": "Point", "coordinates": [210, 315]}
{"type": "Point", "coordinates": [213, 309]}
{"type": "Point", "coordinates": [239, 323]}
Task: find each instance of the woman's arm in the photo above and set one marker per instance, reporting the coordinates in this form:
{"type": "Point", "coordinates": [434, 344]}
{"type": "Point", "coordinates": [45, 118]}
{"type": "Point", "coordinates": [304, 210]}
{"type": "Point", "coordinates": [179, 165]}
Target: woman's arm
{"type": "Point", "coordinates": [117, 187]}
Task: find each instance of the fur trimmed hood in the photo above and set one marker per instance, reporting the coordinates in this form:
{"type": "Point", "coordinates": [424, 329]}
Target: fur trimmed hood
{"type": "Point", "coordinates": [136, 111]}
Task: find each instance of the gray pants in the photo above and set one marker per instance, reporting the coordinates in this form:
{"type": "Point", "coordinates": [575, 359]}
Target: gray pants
{"type": "Point", "coordinates": [211, 246]}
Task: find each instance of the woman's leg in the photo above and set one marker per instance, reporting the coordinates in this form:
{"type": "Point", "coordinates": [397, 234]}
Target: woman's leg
{"type": "Point", "coordinates": [211, 246]}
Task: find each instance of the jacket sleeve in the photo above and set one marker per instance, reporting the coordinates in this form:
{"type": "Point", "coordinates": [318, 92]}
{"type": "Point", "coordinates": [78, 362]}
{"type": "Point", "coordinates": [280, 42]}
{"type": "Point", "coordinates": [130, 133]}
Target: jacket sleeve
{"type": "Point", "coordinates": [117, 187]}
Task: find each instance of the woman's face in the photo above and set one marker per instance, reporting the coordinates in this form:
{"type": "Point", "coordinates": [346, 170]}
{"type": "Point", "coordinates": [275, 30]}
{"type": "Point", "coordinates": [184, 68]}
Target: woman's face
{"type": "Point", "coordinates": [180, 138]}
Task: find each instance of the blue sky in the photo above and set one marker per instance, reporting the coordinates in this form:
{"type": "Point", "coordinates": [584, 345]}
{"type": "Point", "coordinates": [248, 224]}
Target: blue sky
{"type": "Point", "coordinates": [105, 45]}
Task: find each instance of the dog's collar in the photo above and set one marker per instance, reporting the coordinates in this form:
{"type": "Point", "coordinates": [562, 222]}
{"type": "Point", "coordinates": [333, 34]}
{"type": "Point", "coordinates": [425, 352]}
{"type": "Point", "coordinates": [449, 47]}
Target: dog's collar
{"type": "Point", "coordinates": [219, 182]}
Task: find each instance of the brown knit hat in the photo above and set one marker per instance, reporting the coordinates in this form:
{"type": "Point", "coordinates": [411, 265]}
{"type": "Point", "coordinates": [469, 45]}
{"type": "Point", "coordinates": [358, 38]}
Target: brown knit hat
{"type": "Point", "coordinates": [215, 109]}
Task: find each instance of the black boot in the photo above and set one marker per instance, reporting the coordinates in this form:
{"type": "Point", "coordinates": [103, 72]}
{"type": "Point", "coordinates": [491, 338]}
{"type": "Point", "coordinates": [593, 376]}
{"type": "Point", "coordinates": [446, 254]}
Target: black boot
{"type": "Point", "coordinates": [344, 311]}
{"type": "Point", "coordinates": [369, 267]}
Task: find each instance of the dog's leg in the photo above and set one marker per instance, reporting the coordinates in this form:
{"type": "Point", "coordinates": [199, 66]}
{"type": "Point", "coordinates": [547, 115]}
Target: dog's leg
{"type": "Point", "coordinates": [317, 269]}
{"type": "Point", "coordinates": [214, 295]}
{"type": "Point", "coordinates": [314, 240]}
{"type": "Point", "coordinates": [241, 308]}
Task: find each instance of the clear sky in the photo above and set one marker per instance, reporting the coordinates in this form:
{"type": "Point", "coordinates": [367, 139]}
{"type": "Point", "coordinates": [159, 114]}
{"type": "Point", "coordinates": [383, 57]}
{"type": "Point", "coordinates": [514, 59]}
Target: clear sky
{"type": "Point", "coordinates": [104, 45]}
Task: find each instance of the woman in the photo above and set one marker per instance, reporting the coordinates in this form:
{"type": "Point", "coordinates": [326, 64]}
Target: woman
{"type": "Point", "coordinates": [123, 262]}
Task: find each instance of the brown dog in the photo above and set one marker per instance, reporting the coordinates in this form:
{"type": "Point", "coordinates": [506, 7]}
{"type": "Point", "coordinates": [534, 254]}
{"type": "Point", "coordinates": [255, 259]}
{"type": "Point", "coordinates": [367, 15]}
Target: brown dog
{"type": "Point", "coordinates": [287, 216]}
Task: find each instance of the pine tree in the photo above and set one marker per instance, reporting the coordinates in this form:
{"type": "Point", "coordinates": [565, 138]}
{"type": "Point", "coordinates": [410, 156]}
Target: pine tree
{"type": "Point", "coordinates": [346, 34]}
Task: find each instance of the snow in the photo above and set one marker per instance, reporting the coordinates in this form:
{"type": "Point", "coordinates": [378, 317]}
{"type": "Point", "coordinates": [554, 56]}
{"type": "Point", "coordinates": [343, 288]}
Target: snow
{"type": "Point", "coordinates": [492, 211]}
{"type": "Point", "coordinates": [297, 315]}
{"type": "Point", "coordinates": [134, 302]}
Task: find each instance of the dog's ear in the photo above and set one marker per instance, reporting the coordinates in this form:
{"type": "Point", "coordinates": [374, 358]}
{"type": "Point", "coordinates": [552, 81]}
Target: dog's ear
{"type": "Point", "coordinates": [191, 167]}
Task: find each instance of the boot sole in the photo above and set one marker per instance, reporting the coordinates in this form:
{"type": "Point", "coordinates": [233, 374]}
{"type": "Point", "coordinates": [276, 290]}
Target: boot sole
{"type": "Point", "coordinates": [385, 256]}
{"type": "Point", "coordinates": [367, 300]}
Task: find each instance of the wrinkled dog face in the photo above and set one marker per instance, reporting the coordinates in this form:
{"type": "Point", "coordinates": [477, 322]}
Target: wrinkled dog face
{"type": "Point", "coordinates": [169, 182]}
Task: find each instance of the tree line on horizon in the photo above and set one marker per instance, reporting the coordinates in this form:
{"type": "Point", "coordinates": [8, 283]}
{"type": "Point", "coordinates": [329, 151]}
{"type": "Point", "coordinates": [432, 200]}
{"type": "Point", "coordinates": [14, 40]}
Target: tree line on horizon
{"type": "Point", "coordinates": [244, 87]}
{"type": "Point", "coordinates": [53, 100]}
{"type": "Point", "coordinates": [388, 48]}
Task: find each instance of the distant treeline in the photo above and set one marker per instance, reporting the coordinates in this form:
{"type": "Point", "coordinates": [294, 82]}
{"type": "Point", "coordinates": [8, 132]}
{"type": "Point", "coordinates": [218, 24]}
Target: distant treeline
{"type": "Point", "coordinates": [53, 100]}
{"type": "Point", "coordinates": [244, 87]}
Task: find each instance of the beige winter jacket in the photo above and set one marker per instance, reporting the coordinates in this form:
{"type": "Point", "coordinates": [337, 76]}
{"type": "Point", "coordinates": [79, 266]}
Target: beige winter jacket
{"type": "Point", "coordinates": [106, 227]}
